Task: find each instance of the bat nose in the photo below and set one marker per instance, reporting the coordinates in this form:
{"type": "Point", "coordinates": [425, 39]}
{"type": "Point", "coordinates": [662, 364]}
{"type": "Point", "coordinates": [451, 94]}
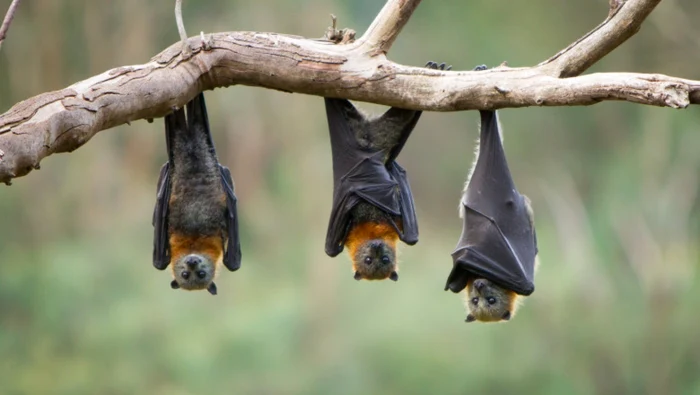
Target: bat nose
{"type": "Point", "coordinates": [479, 284]}
{"type": "Point", "coordinates": [193, 261]}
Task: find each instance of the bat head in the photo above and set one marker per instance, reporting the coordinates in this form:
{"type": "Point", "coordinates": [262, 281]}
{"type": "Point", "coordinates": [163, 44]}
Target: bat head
{"type": "Point", "coordinates": [488, 302]}
{"type": "Point", "coordinates": [194, 271]}
{"type": "Point", "coordinates": [375, 260]}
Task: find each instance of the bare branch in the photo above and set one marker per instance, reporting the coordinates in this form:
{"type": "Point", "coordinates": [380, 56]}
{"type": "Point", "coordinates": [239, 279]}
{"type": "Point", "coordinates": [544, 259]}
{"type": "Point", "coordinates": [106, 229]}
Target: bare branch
{"type": "Point", "coordinates": [8, 20]}
{"type": "Point", "coordinates": [380, 35]}
{"type": "Point", "coordinates": [624, 21]}
{"type": "Point", "coordinates": [64, 120]}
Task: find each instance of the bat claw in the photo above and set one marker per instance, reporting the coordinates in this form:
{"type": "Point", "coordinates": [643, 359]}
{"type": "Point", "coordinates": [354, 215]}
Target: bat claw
{"type": "Point", "coordinates": [435, 66]}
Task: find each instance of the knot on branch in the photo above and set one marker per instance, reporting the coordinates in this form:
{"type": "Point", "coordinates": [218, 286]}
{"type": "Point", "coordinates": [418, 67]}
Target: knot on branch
{"type": "Point", "coordinates": [676, 96]}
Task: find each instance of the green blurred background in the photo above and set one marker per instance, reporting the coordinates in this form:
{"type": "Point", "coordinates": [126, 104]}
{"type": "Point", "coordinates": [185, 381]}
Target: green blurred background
{"type": "Point", "coordinates": [614, 186]}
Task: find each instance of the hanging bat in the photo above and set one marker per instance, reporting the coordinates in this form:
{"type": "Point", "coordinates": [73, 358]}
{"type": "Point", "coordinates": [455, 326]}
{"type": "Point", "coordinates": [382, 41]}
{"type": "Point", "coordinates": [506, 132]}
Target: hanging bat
{"type": "Point", "coordinates": [496, 255]}
{"type": "Point", "coordinates": [195, 217]}
{"type": "Point", "coordinates": [372, 200]}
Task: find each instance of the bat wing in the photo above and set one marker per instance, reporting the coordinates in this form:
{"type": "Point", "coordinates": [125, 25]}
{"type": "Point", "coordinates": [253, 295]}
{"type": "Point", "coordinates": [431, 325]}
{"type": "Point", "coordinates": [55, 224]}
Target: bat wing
{"type": "Point", "coordinates": [409, 222]}
{"type": "Point", "coordinates": [232, 255]}
{"type": "Point", "coordinates": [498, 237]}
{"type": "Point", "coordinates": [368, 181]}
{"type": "Point", "coordinates": [161, 247]}
{"type": "Point", "coordinates": [361, 175]}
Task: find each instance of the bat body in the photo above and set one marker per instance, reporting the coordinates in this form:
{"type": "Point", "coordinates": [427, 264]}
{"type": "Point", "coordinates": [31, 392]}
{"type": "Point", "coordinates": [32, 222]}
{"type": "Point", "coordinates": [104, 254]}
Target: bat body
{"type": "Point", "coordinates": [495, 257]}
{"type": "Point", "coordinates": [195, 219]}
{"type": "Point", "coordinates": [372, 201]}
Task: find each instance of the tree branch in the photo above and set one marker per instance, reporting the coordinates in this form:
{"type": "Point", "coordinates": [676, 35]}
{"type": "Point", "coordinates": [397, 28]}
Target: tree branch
{"type": "Point", "coordinates": [624, 21]}
{"type": "Point", "coordinates": [7, 21]}
{"type": "Point", "coordinates": [62, 121]}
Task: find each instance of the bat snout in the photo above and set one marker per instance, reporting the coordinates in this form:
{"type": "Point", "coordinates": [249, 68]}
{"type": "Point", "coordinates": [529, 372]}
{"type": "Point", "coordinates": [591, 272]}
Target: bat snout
{"type": "Point", "coordinates": [479, 284]}
{"type": "Point", "coordinates": [376, 245]}
{"type": "Point", "coordinates": [192, 261]}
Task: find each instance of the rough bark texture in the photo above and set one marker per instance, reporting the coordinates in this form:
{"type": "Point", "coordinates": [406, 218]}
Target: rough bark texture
{"type": "Point", "coordinates": [62, 121]}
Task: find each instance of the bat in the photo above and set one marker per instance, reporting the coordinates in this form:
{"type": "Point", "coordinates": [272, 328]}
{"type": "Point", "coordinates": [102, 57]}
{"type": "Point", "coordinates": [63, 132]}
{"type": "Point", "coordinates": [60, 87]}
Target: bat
{"type": "Point", "coordinates": [195, 218]}
{"type": "Point", "coordinates": [372, 201]}
{"type": "Point", "coordinates": [495, 257]}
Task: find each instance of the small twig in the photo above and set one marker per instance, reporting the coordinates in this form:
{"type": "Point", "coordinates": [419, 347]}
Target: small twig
{"type": "Point", "coordinates": [186, 51]}
{"type": "Point", "coordinates": [342, 36]}
{"type": "Point", "coordinates": [8, 19]}
{"type": "Point", "coordinates": [623, 22]}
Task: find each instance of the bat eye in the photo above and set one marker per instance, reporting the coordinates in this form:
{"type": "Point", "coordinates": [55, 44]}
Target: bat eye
{"type": "Point", "coordinates": [385, 260]}
{"type": "Point", "coordinates": [368, 260]}
{"type": "Point", "coordinates": [491, 300]}
{"type": "Point", "coordinates": [185, 274]}
{"type": "Point", "coordinates": [475, 301]}
{"type": "Point", "coordinates": [201, 274]}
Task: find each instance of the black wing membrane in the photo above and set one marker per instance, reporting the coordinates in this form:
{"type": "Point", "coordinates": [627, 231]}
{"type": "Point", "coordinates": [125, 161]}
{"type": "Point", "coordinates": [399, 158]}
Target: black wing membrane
{"type": "Point", "coordinates": [161, 249]}
{"type": "Point", "coordinates": [498, 238]}
{"type": "Point", "coordinates": [361, 174]}
{"type": "Point", "coordinates": [232, 256]}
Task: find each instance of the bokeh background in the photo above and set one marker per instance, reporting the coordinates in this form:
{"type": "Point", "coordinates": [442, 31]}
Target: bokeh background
{"type": "Point", "coordinates": [615, 191]}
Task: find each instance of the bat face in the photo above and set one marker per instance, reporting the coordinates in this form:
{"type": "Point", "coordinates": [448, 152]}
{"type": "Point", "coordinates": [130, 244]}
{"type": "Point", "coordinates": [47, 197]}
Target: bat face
{"type": "Point", "coordinates": [372, 248]}
{"type": "Point", "coordinates": [194, 271]}
{"type": "Point", "coordinates": [487, 302]}
{"type": "Point", "coordinates": [195, 260]}
{"type": "Point", "coordinates": [375, 260]}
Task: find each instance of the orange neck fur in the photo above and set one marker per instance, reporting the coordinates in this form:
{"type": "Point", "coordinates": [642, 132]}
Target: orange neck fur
{"type": "Point", "coordinates": [210, 246]}
{"type": "Point", "coordinates": [367, 231]}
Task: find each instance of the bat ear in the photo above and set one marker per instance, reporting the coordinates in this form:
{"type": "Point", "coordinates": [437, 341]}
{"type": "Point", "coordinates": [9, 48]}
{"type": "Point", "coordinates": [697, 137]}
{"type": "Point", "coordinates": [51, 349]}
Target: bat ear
{"type": "Point", "coordinates": [506, 316]}
{"type": "Point", "coordinates": [394, 276]}
{"type": "Point", "coordinates": [212, 289]}
{"type": "Point", "coordinates": [174, 285]}
{"type": "Point", "coordinates": [357, 276]}
{"type": "Point", "coordinates": [470, 318]}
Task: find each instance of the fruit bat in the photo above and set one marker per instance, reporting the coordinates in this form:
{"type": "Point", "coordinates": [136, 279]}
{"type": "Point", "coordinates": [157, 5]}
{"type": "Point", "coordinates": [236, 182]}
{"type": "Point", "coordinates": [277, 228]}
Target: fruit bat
{"type": "Point", "coordinates": [195, 219]}
{"type": "Point", "coordinates": [372, 200]}
{"type": "Point", "coordinates": [498, 240]}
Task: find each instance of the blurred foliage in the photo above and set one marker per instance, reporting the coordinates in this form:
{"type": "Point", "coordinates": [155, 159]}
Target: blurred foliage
{"type": "Point", "coordinates": [614, 187]}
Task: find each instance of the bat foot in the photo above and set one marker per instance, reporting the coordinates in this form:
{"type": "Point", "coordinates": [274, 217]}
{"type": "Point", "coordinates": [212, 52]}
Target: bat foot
{"type": "Point", "coordinates": [435, 66]}
{"type": "Point", "coordinates": [481, 67]}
